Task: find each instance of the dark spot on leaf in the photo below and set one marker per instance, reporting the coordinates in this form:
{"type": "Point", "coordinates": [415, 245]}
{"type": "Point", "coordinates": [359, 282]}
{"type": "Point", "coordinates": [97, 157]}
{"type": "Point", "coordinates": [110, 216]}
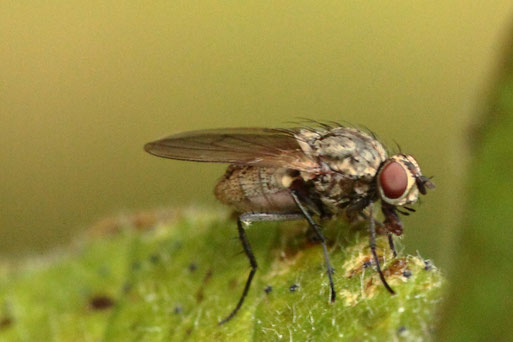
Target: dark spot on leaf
{"type": "Point", "coordinates": [154, 258]}
{"type": "Point", "coordinates": [367, 264]}
{"type": "Point", "coordinates": [101, 302]}
{"type": "Point", "coordinates": [401, 330]}
{"type": "Point", "coordinates": [407, 274]}
{"type": "Point", "coordinates": [199, 293]}
{"type": "Point", "coordinates": [192, 267]}
{"type": "Point", "coordinates": [177, 310]}
{"type": "Point", "coordinates": [127, 287]}
{"type": "Point", "coordinates": [232, 283]}
{"type": "Point", "coordinates": [5, 322]}
{"type": "Point", "coordinates": [188, 331]}
{"type": "Point", "coordinates": [268, 289]}
{"type": "Point", "coordinates": [293, 287]}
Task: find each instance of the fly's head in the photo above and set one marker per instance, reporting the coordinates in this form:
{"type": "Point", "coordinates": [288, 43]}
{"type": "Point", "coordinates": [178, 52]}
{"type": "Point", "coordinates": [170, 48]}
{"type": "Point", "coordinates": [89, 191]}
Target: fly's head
{"type": "Point", "coordinates": [400, 180]}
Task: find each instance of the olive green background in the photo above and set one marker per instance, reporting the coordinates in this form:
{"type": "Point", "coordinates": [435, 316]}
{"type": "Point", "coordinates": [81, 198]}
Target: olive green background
{"type": "Point", "coordinates": [84, 85]}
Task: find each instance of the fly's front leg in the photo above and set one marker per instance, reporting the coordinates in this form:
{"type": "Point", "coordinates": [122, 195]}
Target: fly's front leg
{"type": "Point", "coordinates": [372, 243]}
{"type": "Point", "coordinates": [393, 225]}
{"type": "Point", "coordinates": [247, 219]}
{"type": "Point", "coordinates": [318, 231]}
{"type": "Point", "coordinates": [392, 221]}
{"type": "Point", "coordinates": [382, 228]}
{"type": "Point", "coordinates": [391, 243]}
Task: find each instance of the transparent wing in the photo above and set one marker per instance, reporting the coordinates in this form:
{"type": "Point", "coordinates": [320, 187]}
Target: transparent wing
{"type": "Point", "coordinates": [244, 146]}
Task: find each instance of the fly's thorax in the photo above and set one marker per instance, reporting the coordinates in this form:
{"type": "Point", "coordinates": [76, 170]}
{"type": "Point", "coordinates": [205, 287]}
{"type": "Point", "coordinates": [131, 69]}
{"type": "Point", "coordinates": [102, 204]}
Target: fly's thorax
{"type": "Point", "coordinates": [396, 180]}
{"type": "Point", "coordinates": [336, 191]}
{"type": "Point", "coordinates": [345, 150]}
{"type": "Point", "coordinates": [349, 160]}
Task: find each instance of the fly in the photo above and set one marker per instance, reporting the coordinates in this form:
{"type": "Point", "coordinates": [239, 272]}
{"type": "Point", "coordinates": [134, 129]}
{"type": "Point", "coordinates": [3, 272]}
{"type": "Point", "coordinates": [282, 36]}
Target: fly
{"type": "Point", "coordinates": [299, 173]}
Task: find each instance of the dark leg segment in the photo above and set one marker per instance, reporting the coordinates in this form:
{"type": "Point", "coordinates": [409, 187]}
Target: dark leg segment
{"type": "Point", "coordinates": [390, 236]}
{"type": "Point", "coordinates": [391, 243]}
{"type": "Point", "coordinates": [372, 231]}
{"type": "Point", "coordinates": [252, 262]}
{"type": "Point", "coordinates": [318, 231]}
{"type": "Point", "coordinates": [248, 218]}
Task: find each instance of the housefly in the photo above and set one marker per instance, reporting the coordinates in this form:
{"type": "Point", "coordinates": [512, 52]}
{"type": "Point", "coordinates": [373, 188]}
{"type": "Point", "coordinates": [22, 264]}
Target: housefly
{"type": "Point", "coordinates": [299, 173]}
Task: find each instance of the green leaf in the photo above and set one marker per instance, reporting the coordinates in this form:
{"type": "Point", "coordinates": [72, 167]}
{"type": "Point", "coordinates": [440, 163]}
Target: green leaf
{"type": "Point", "coordinates": [63, 297]}
{"type": "Point", "coordinates": [176, 281]}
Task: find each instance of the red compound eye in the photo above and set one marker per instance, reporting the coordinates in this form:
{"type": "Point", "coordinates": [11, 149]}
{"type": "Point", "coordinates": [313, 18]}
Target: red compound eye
{"type": "Point", "coordinates": [393, 180]}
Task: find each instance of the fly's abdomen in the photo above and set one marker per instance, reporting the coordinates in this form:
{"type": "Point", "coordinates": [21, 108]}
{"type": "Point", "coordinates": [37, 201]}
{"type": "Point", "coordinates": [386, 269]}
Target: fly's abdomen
{"type": "Point", "coordinates": [249, 188]}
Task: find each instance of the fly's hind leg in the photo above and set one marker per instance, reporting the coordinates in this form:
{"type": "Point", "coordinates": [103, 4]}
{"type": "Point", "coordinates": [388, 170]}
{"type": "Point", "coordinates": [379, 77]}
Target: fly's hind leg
{"type": "Point", "coordinates": [247, 219]}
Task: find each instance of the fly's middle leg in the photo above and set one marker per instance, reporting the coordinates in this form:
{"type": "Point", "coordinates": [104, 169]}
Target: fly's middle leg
{"type": "Point", "coordinates": [318, 231]}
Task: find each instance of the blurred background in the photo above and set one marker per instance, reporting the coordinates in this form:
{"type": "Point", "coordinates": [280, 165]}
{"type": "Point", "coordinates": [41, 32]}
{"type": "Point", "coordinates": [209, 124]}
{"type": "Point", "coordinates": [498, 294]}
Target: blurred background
{"type": "Point", "coordinates": [85, 84]}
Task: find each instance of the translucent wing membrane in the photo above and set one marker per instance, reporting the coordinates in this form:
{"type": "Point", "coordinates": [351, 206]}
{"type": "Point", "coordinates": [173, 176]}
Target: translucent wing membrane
{"type": "Point", "coordinates": [262, 147]}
